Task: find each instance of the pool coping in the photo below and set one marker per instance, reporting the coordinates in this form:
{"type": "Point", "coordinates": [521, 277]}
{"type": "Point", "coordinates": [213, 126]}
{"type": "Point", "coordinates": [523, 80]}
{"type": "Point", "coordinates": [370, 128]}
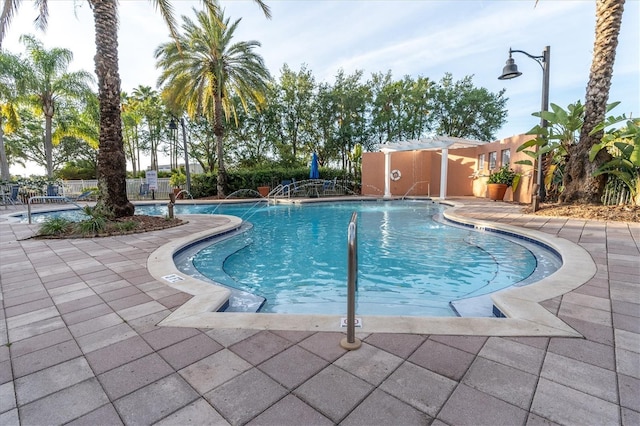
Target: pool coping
{"type": "Point", "coordinates": [524, 316]}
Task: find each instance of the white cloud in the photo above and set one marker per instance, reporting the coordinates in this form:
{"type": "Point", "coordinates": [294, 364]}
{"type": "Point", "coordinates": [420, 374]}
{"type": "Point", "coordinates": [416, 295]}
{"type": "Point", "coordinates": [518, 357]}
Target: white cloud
{"type": "Point", "coordinates": [415, 37]}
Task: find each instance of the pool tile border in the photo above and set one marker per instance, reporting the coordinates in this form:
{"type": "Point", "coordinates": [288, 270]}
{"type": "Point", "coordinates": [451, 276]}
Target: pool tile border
{"type": "Point", "coordinates": [521, 306]}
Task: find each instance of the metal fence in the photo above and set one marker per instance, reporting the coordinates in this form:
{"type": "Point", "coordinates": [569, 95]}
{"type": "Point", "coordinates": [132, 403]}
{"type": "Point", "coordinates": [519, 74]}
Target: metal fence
{"type": "Point", "coordinates": [616, 192]}
{"type": "Point", "coordinates": [76, 187]}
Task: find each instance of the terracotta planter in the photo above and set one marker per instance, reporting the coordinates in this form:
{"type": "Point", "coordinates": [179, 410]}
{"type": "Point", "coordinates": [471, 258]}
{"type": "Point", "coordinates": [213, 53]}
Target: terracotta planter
{"type": "Point", "coordinates": [264, 190]}
{"type": "Point", "coordinates": [175, 192]}
{"type": "Point", "coordinates": [496, 191]}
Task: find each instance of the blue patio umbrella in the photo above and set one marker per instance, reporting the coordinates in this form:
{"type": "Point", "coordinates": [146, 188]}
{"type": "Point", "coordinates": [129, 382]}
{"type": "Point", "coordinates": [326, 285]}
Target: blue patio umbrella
{"type": "Point", "coordinates": [314, 173]}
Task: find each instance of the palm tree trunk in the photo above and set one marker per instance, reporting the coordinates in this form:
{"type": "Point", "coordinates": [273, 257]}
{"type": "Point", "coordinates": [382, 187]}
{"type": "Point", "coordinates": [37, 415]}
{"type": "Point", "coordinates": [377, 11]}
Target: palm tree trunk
{"type": "Point", "coordinates": [218, 130]}
{"type": "Point", "coordinates": [4, 161]}
{"type": "Point", "coordinates": [580, 185]}
{"type": "Point", "coordinates": [48, 144]}
{"type": "Point", "coordinates": [112, 164]}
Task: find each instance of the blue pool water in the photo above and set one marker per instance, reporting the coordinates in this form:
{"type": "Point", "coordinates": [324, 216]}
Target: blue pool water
{"type": "Point", "coordinates": [295, 256]}
{"type": "Point", "coordinates": [409, 264]}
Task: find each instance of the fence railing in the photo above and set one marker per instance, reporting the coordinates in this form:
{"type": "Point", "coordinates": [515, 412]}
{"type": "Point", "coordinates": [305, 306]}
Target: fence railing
{"type": "Point", "coordinates": [616, 193]}
{"type": "Point", "coordinates": [76, 187]}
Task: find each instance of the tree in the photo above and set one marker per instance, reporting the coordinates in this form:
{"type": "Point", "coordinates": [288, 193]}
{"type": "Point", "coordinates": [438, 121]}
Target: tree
{"type": "Point", "coordinates": [149, 105]}
{"type": "Point", "coordinates": [11, 68]}
{"type": "Point", "coordinates": [203, 143]}
{"type": "Point", "coordinates": [400, 108]}
{"type": "Point", "coordinates": [553, 143]}
{"type": "Point", "coordinates": [48, 84]}
{"type": "Point", "coordinates": [464, 111]}
{"type": "Point", "coordinates": [248, 141]}
{"type": "Point", "coordinates": [131, 122]}
{"type": "Point", "coordinates": [624, 147]}
{"type": "Point", "coordinates": [207, 70]}
{"type": "Point", "coordinates": [351, 100]}
{"type": "Point", "coordinates": [26, 142]}
{"type": "Point", "coordinates": [111, 160]}
{"type": "Point", "coordinates": [581, 185]}
{"type": "Point", "coordinates": [293, 105]}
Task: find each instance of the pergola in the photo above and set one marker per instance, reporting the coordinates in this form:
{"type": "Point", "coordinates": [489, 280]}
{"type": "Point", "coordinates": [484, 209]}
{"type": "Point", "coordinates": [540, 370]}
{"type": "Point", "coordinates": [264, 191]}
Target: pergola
{"type": "Point", "coordinates": [435, 143]}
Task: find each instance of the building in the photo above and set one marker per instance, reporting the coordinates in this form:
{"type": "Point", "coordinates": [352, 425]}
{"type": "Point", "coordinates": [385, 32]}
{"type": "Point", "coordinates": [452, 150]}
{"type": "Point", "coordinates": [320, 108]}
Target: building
{"type": "Point", "coordinates": [444, 166]}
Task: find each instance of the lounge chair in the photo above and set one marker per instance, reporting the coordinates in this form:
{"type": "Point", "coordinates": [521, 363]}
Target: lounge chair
{"type": "Point", "coordinates": [53, 190]}
{"type": "Point", "coordinates": [144, 190]}
{"type": "Point", "coordinates": [82, 197]}
{"type": "Point", "coordinates": [14, 197]}
{"type": "Point", "coordinates": [329, 186]}
{"type": "Point", "coordinates": [285, 187]}
{"type": "Point", "coordinates": [295, 189]}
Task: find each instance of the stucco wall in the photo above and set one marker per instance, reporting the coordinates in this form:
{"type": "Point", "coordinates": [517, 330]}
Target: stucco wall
{"type": "Point", "coordinates": [527, 176]}
{"type": "Point", "coordinates": [421, 171]}
{"type": "Point", "coordinates": [417, 170]}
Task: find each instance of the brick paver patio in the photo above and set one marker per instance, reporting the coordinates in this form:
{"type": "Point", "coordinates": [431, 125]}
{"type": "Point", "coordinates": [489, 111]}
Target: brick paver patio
{"type": "Point", "coordinates": [80, 344]}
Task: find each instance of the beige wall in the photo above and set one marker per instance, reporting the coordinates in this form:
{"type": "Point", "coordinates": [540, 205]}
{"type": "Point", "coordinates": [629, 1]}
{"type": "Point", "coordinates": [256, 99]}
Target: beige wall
{"type": "Point", "coordinates": [417, 168]}
{"type": "Point", "coordinates": [421, 171]}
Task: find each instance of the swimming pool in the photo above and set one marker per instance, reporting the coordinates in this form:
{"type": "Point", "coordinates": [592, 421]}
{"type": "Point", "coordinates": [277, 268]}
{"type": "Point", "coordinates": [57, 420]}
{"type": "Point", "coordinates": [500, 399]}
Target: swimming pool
{"type": "Point", "coordinates": [294, 256]}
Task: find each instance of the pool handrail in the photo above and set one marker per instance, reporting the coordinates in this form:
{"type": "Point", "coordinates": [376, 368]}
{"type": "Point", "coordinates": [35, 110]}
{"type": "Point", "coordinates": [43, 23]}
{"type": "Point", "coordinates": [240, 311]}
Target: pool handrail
{"type": "Point", "coordinates": [351, 342]}
{"type": "Point", "coordinates": [49, 197]}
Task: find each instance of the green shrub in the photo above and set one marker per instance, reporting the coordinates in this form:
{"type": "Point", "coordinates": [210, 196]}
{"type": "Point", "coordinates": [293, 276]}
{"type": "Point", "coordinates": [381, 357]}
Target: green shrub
{"type": "Point", "coordinates": [177, 180]}
{"type": "Point", "coordinates": [128, 225]}
{"type": "Point", "coordinates": [55, 226]}
{"type": "Point", "coordinates": [502, 175]}
{"type": "Point", "coordinates": [92, 226]}
{"type": "Point", "coordinates": [96, 222]}
{"type": "Point", "coordinates": [205, 185]}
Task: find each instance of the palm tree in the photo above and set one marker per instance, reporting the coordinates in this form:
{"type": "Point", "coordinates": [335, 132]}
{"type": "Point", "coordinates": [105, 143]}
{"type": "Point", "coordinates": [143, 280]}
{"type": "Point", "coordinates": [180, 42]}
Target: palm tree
{"type": "Point", "coordinates": [205, 70]}
{"type": "Point", "coordinates": [10, 69]}
{"type": "Point", "coordinates": [131, 122]}
{"type": "Point", "coordinates": [149, 106]}
{"type": "Point", "coordinates": [112, 166]}
{"type": "Point", "coordinates": [48, 84]}
{"type": "Point", "coordinates": [580, 184]}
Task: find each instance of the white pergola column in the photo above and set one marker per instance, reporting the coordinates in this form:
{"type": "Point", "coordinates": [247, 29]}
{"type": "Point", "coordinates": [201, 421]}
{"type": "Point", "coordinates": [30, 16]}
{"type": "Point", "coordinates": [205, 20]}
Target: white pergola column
{"type": "Point", "coordinates": [444, 173]}
{"type": "Point", "coordinates": [387, 173]}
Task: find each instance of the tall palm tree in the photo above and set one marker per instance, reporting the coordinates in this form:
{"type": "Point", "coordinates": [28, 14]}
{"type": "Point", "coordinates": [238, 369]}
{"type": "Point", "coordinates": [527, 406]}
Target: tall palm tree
{"type": "Point", "coordinates": [11, 68]}
{"type": "Point", "coordinates": [580, 185]}
{"type": "Point", "coordinates": [205, 70]}
{"type": "Point", "coordinates": [149, 106]}
{"type": "Point", "coordinates": [131, 122]}
{"type": "Point", "coordinates": [112, 167]}
{"type": "Point", "coordinates": [48, 83]}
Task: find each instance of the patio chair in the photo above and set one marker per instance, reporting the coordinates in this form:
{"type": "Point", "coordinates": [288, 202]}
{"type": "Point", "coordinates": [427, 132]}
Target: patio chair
{"type": "Point", "coordinates": [295, 189]}
{"type": "Point", "coordinates": [329, 186]}
{"type": "Point", "coordinates": [14, 197]}
{"type": "Point", "coordinates": [144, 190]}
{"type": "Point", "coordinates": [53, 190]}
{"type": "Point", "coordinates": [285, 187]}
{"type": "Point", "coordinates": [82, 197]}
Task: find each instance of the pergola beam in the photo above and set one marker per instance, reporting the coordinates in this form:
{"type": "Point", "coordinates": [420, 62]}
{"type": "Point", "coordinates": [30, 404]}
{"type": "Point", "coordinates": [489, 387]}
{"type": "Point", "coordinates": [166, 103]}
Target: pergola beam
{"type": "Point", "coordinates": [435, 143]}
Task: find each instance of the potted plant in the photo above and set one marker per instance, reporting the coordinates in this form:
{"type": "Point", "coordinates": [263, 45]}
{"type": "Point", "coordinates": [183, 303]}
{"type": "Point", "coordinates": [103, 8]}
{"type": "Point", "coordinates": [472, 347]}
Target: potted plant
{"type": "Point", "coordinates": [264, 189]}
{"type": "Point", "coordinates": [177, 181]}
{"type": "Point", "coordinates": [500, 180]}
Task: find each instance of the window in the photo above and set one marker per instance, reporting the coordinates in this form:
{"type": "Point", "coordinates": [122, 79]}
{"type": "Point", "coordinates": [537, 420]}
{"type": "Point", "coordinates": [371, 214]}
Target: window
{"type": "Point", "coordinates": [505, 157]}
{"type": "Point", "coordinates": [480, 162]}
{"type": "Point", "coordinates": [493, 156]}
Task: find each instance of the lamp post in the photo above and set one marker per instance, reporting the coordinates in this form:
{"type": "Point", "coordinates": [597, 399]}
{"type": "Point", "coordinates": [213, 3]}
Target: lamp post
{"type": "Point", "coordinates": [186, 156]}
{"type": "Point", "coordinates": [173, 126]}
{"type": "Point", "coordinates": [187, 172]}
{"type": "Point", "coordinates": [510, 71]}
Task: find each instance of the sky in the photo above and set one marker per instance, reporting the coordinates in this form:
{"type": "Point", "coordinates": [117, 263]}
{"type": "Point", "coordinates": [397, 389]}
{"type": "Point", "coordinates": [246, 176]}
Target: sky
{"type": "Point", "coordinates": [408, 37]}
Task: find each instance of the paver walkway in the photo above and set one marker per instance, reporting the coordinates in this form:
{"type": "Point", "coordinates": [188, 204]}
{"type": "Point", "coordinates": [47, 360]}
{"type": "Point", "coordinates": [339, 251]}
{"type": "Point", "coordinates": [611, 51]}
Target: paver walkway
{"type": "Point", "coordinates": [80, 345]}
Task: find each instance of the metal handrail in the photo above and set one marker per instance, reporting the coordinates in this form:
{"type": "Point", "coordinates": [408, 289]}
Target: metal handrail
{"type": "Point", "coordinates": [49, 197]}
{"type": "Point", "coordinates": [351, 342]}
